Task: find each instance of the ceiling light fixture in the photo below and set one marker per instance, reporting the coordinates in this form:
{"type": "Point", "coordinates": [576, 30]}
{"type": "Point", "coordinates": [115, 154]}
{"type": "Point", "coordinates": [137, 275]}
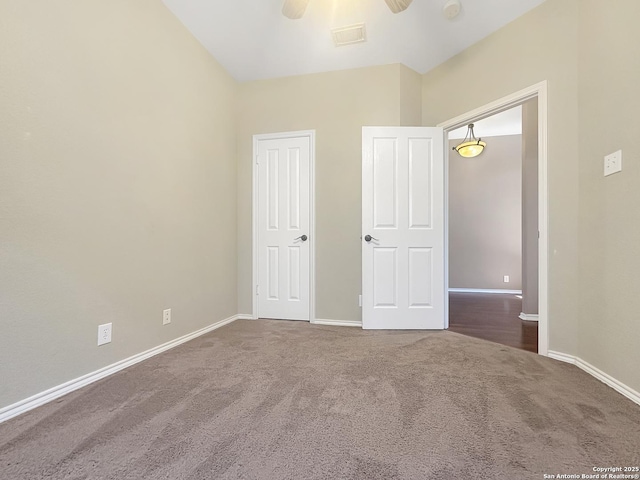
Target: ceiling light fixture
{"type": "Point", "coordinates": [470, 146]}
{"type": "Point", "coordinates": [294, 9]}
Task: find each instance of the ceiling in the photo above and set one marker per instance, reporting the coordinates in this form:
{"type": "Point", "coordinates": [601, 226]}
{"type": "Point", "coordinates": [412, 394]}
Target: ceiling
{"type": "Point", "coordinates": [508, 122]}
{"type": "Point", "coordinates": [253, 40]}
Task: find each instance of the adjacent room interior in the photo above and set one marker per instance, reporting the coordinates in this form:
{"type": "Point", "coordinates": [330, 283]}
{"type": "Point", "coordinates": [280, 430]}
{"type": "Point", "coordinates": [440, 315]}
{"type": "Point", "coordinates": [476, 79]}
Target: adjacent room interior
{"type": "Point", "coordinates": [493, 229]}
{"type": "Point", "coordinates": [128, 343]}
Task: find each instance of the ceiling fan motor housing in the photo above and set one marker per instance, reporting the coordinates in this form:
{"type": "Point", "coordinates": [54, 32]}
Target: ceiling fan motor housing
{"type": "Point", "coordinates": [294, 9]}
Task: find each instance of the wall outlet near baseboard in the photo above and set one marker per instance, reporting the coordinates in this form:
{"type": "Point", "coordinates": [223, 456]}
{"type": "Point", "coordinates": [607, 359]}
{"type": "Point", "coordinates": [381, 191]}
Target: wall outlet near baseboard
{"type": "Point", "coordinates": [166, 316]}
{"type": "Point", "coordinates": [505, 279]}
{"type": "Point", "coordinates": [104, 333]}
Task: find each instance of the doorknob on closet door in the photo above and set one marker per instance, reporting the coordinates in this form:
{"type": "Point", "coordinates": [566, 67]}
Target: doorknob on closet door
{"type": "Point", "coordinates": [301, 237]}
{"type": "Point", "coordinates": [368, 238]}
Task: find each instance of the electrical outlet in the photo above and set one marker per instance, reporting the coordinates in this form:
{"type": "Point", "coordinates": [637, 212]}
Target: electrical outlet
{"type": "Point", "coordinates": [104, 333]}
{"type": "Point", "coordinates": [613, 163]}
{"type": "Point", "coordinates": [166, 316]}
{"type": "Point", "coordinates": [505, 279]}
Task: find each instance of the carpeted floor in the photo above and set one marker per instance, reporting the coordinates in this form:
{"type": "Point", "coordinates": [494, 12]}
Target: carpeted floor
{"type": "Point", "coordinates": [289, 400]}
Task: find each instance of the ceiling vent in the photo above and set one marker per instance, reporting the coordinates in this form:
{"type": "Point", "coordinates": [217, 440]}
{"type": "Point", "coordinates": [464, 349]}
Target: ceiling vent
{"type": "Point", "coordinates": [349, 35]}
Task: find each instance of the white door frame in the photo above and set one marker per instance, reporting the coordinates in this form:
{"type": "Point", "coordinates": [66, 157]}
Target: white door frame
{"type": "Point", "coordinates": [311, 134]}
{"type": "Point", "coordinates": [539, 91]}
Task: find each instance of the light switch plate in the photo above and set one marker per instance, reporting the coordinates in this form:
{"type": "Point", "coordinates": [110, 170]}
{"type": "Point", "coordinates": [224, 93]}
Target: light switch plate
{"type": "Point", "coordinates": [613, 163]}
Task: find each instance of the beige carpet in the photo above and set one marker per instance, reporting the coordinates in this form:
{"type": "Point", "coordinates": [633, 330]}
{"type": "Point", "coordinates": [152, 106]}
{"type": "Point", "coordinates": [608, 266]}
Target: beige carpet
{"type": "Point", "coordinates": [289, 400]}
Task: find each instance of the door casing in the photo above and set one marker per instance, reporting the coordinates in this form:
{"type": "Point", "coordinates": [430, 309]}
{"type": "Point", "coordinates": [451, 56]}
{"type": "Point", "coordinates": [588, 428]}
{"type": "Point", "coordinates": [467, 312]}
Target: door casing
{"type": "Point", "coordinates": [311, 134]}
{"type": "Point", "coordinates": [539, 91]}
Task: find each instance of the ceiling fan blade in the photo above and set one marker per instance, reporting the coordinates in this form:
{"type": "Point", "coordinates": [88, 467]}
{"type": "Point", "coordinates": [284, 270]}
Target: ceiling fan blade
{"type": "Point", "coordinates": [398, 6]}
{"type": "Point", "coordinates": [294, 9]}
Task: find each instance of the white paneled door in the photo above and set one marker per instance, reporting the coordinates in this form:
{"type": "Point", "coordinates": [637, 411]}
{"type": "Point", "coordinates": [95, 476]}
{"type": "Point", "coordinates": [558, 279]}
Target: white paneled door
{"type": "Point", "coordinates": [283, 227]}
{"type": "Point", "coordinates": [403, 283]}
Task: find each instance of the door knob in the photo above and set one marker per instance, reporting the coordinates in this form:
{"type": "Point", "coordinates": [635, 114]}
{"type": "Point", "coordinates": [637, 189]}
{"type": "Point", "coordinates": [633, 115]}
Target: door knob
{"type": "Point", "coordinates": [302, 237]}
{"type": "Point", "coordinates": [368, 238]}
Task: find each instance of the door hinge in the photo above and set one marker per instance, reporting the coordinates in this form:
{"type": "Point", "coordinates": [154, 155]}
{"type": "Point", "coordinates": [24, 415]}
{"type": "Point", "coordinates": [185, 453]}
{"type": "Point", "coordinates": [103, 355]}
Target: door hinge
{"type": "Point", "coordinates": [257, 160]}
{"type": "Point", "coordinates": [257, 289]}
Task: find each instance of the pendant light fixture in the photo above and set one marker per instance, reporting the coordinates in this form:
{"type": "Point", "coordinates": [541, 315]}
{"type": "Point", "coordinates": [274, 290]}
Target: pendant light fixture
{"type": "Point", "coordinates": [470, 146]}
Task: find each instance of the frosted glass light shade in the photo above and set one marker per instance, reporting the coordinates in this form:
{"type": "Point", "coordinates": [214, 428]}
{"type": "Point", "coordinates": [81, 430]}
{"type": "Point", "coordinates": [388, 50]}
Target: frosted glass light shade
{"type": "Point", "coordinates": [470, 149]}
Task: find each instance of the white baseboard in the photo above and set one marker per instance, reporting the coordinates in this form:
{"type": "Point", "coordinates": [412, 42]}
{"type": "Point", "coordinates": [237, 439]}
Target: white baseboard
{"type": "Point", "coordinates": [338, 323]}
{"type": "Point", "coordinates": [563, 357]}
{"type": "Point", "coordinates": [605, 378]}
{"type": "Point", "coordinates": [56, 392]}
{"type": "Point", "coordinates": [245, 316]}
{"type": "Point", "coordinates": [485, 290]}
{"type": "Point", "coordinates": [529, 317]}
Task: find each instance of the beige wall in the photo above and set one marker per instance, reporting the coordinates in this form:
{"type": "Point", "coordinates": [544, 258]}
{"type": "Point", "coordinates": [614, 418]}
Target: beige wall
{"type": "Point", "coordinates": [541, 45]}
{"type": "Point", "coordinates": [530, 277]}
{"type": "Point", "coordinates": [117, 186]}
{"type": "Point", "coordinates": [336, 105]}
{"type": "Point", "coordinates": [410, 97]}
{"type": "Point", "coordinates": [485, 216]}
{"type": "Point", "coordinates": [610, 206]}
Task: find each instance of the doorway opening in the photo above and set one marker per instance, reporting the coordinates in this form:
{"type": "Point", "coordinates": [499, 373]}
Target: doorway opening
{"type": "Point", "coordinates": [496, 230]}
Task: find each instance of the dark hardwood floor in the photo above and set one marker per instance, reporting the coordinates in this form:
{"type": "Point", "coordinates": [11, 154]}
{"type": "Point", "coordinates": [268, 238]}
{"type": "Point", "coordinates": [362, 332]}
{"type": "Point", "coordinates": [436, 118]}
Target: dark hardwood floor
{"type": "Point", "coordinates": [493, 317]}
